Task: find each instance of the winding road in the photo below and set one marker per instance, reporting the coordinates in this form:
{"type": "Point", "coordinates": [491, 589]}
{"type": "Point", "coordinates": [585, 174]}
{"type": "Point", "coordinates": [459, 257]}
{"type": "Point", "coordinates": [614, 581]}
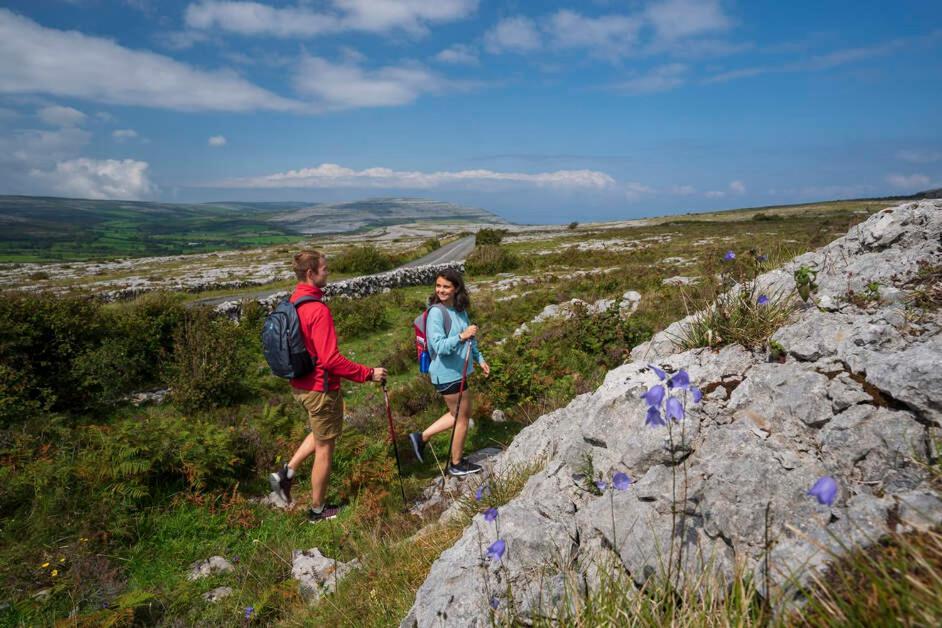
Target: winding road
{"type": "Point", "coordinates": [455, 251]}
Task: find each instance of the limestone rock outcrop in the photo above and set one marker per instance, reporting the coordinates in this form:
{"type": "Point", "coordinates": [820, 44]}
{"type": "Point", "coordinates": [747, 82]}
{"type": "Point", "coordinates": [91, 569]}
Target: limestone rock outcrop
{"type": "Point", "coordinates": [858, 397]}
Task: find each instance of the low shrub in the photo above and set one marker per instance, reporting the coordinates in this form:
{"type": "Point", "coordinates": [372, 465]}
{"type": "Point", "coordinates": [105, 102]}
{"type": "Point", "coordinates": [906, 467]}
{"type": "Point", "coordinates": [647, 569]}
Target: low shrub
{"type": "Point", "coordinates": [72, 354]}
{"type": "Point", "coordinates": [139, 341]}
{"type": "Point", "coordinates": [486, 237]}
{"type": "Point", "coordinates": [41, 336]}
{"type": "Point", "coordinates": [432, 244]}
{"type": "Point", "coordinates": [414, 398]}
{"type": "Point", "coordinates": [353, 317]}
{"type": "Point", "coordinates": [364, 260]}
{"type": "Point", "coordinates": [210, 362]}
{"type": "Point", "coordinates": [490, 259]}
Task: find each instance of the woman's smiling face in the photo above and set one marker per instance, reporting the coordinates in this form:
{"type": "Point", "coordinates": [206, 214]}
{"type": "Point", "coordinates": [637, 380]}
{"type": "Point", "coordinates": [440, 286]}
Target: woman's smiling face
{"type": "Point", "coordinates": [444, 290]}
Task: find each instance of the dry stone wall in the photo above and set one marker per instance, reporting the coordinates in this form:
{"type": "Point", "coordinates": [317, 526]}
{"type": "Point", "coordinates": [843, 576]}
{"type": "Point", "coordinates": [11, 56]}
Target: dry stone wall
{"type": "Point", "coordinates": [356, 287]}
{"type": "Point", "coordinates": [858, 397]}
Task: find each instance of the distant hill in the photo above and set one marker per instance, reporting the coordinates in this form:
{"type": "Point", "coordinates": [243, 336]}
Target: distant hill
{"type": "Point", "coordinates": [936, 193]}
{"type": "Point", "coordinates": [339, 217]}
{"type": "Point", "coordinates": [34, 228]}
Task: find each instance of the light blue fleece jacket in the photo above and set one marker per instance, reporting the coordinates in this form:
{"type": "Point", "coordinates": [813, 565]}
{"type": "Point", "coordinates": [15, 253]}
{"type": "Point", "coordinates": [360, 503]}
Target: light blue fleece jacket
{"type": "Point", "coordinates": [448, 352]}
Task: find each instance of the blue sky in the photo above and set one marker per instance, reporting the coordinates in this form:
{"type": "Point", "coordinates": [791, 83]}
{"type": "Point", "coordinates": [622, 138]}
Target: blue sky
{"type": "Point", "coordinates": [540, 111]}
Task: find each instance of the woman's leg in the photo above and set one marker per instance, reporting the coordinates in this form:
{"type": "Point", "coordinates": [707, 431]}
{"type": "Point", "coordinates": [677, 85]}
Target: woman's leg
{"type": "Point", "coordinates": [461, 426]}
{"type": "Point", "coordinates": [442, 423]}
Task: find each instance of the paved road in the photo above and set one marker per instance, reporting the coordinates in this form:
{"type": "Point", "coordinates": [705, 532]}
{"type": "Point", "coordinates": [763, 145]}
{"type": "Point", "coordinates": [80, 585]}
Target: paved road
{"type": "Point", "coordinates": [454, 252]}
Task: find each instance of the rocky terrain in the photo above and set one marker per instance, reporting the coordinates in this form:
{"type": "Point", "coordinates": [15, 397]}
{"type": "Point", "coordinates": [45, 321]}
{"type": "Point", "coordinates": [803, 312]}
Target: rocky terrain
{"type": "Point", "coordinates": [338, 217]}
{"type": "Point", "coordinates": [855, 395]}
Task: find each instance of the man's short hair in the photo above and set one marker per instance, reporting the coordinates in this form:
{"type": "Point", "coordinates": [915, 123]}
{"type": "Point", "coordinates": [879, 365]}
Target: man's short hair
{"type": "Point", "coordinates": [305, 261]}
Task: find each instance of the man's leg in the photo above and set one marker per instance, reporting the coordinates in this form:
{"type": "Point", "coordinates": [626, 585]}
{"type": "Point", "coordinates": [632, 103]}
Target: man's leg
{"type": "Point", "coordinates": [320, 471]}
{"type": "Point", "coordinates": [282, 479]}
{"type": "Point", "coordinates": [305, 450]}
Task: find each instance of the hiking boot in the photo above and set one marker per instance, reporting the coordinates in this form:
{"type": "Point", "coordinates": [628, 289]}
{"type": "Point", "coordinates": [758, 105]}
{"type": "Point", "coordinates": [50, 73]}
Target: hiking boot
{"type": "Point", "coordinates": [281, 484]}
{"type": "Point", "coordinates": [329, 512]}
{"type": "Point", "coordinates": [463, 468]}
{"type": "Point", "coordinates": [418, 446]}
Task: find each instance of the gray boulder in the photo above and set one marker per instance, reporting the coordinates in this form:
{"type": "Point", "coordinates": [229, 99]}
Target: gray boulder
{"type": "Point", "coordinates": [856, 398]}
{"type": "Point", "coordinates": [211, 566]}
{"type": "Point", "coordinates": [317, 574]}
{"type": "Point", "coordinates": [217, 594]}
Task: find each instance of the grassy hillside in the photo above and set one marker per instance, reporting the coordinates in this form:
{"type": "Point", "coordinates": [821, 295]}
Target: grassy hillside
{"type": "Point", "coordinates": [36, 229]}
{"type": "Point", "coordinates": [45, 229]}
{"type": "Point", "coordinates": [103, 505]}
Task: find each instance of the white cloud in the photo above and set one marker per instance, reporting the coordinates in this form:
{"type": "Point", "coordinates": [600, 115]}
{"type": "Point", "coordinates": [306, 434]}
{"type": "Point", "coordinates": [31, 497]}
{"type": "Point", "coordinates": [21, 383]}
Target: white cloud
{"type": "Point", "coordinates": [911, 182]}
{"type": "Point", "coordinates": [634, 190]}
{"type": "Point", "coordinates": [334, 176]}
{"type": "Point", "coordinates": [675, 19]}
{"type": "Point", "coordinates": [513, 34]}
{"type": "Point", "coordinates": [29, 148]}
{"type": "Point", "coordinates": [67, 63]}
{"type": "Point", "coordinates": [683, 190]}
{"type": "Point", "coordinates": [459, 54]}
{"type": "Point", "coordinates": [673, 26]}
{"type": "Point", "coordinates": [61, 116]}
{"type": "Point", "coordinates": [100, 179]}
{"type": "Point", "coordinates": [829, 60]}
{"type": "Point", "coordinates": [920, 156]}
{"type": "Point", "coordinates": [217, 140]}
{"type": "Point", "coordinates": [608, 35]}
{"type": "Point", "coordinates": [378, 16]}
{"type": "Point", "coordinates": [737, 188]}
{"type": "Point", "coordinates": [346, 85]}
{"type": "Point", "coordinates": [409, 15]}
{"type": "Point", "coordinates": [124, 134]}
{"type": "Point", "coordinates": [659, 79]}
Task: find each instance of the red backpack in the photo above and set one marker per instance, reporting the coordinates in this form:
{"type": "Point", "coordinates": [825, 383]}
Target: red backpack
{"type": "Point", "coordinates": [422, 348]}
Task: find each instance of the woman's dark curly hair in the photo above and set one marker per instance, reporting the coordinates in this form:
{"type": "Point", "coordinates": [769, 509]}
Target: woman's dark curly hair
{"type": "Point", "coordinates": [452, 276]}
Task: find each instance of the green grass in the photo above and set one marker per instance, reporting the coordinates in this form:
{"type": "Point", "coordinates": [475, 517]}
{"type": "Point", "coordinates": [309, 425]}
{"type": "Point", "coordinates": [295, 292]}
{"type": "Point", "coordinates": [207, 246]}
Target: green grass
{"type": "Point", "coordinates": [136, 557]}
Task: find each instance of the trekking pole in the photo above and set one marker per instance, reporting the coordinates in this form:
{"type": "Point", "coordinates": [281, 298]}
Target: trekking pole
{"type": "Point", "coordinates": [392, 437]}
{"type": "Point", "coordinates": [464, 374]}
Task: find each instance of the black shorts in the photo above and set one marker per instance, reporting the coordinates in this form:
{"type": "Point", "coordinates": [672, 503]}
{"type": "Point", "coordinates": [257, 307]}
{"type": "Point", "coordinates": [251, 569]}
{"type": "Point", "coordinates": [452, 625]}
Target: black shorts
{"type": "Point", "coordinates": [450, 388]}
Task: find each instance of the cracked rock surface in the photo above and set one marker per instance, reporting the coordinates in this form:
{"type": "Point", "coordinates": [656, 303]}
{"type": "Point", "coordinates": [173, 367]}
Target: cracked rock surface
{"type": "Point", "coordinates": [858, 397]}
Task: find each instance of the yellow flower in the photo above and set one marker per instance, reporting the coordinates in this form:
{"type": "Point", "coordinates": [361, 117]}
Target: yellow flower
{"type": "Point", "coordinates": [45, 565]}
{"type": "Point", "coordinates": [55, 572]}
{"type": "Point", "coordinates": [62, 559]}
{"type": "Point", "coordinates": [83, 540]}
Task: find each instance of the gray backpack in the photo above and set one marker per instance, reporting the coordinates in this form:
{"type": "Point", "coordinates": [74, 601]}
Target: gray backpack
{"type": "Point", "coordinates": [282, 342]}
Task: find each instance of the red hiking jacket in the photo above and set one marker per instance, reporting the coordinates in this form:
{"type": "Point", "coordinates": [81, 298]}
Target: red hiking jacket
{"type": "Point", "coordinates": [320, 338]}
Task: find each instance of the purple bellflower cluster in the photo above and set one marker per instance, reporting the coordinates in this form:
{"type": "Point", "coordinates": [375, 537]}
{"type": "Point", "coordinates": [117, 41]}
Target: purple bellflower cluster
{"type": "Point", "coordinates": [662, 403]}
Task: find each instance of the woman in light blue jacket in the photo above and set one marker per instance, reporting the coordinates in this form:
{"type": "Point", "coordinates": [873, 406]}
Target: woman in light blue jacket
{"type": "Point", "coordinates": [448, 352]}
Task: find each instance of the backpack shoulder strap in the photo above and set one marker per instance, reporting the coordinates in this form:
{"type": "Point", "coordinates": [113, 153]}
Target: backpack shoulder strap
{"type": "Point", "coordinates": [446, 318]}
{"type": "Point", "coordinates": [307, 299]}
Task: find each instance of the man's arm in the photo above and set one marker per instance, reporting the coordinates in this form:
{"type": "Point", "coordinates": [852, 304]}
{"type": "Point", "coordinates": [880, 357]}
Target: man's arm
{"type": "Point", "coordinates": [328, 355]}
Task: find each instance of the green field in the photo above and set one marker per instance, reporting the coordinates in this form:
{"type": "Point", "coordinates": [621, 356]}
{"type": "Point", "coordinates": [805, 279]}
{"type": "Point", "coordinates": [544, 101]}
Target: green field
{"type": "Point", "coordinates": [37, 229]}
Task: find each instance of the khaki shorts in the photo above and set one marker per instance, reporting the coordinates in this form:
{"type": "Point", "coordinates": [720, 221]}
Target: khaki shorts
{"type": "Point", "coordinates": [324, 411]}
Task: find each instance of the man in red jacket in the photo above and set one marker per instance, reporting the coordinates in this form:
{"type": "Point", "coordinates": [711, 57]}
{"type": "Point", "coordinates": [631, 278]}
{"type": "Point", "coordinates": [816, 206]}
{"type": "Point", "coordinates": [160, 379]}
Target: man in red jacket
{"type": "Point", "coordinates": [319, 391]}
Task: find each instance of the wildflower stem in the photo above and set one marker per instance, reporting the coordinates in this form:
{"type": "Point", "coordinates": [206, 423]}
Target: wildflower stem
{"type": "Point", "coordinates": [611, 501]}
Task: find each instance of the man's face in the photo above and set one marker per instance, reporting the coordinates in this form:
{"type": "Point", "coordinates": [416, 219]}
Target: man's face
{"type": "Point", "coordinates": [319, 278]}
